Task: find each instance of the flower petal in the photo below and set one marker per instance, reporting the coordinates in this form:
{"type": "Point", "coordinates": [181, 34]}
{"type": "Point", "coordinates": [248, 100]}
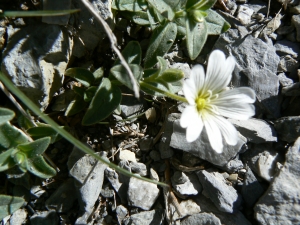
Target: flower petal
{"type": "Point", "coordinates": [228, 131]}
{"type": "Point", "coordinates": [219, 71]}
{"type": "Point", "coordinates": [237, 111]}
{"type": "Point", "coordinates": [213, 132]}
{"type": "Point", "coordinates": [187, 116]}
{"type": "Point", "coordinates": [239, 95]}
{"type": "Point", "coordinates": [198, 76]}
{"type": "Point", "coordinates": [194, 129]}
{"type": "Point", "coordinates": [190, 91]}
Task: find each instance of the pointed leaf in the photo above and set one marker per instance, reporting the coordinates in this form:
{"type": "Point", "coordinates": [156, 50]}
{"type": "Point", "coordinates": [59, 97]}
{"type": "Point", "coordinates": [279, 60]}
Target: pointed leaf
{"type": "Point", "coordinates": [132, 53]}
{"type": "Point", "coordinates": [105, 101]}
{"type": "Point", "coordinates": [140, 18]}
{"type": "Point", "coordinates": [6, 161]}
{"type": "Point", "coordinates": [81, 75]}
{"type": "Point", "coordinates": [172, 88]}
{"type": "Point", "coordinates": [196, 34]}
{"type": "Point", "coordinates": [44, 130]}
{"type": "Point", "coordinates": [216, 24]}
{"type": "Point", "coordinates": [120, 73]}
{"type": "Point", "coordinates": [9, 204]}
{"type": "Point", "coordinates": [10, 136]}
{"type": "Point", "coordinates": [35, 148]}
{"type": "Point", "coordinates": [40, 168]}
{"type": "Point", "coordinates": [163, 8]}
{"type": "Point", "coordinates": [6, 115]}
{"type": "Point", "coordinates": [161, 41]}
{"type": "Point", "coordinates": [129, 5]}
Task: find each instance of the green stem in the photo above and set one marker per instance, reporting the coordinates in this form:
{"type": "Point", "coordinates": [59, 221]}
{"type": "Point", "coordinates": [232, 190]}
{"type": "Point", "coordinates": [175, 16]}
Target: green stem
{"type": "Point", "coordinates": [168, 94]}
{"type": "Point", "coordinates": [9, 85]}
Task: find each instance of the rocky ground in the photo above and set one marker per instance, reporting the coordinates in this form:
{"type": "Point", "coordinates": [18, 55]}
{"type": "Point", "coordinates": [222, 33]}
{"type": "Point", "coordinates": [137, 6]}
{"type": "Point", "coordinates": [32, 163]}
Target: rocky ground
{"type": "Point", "coordinates": [255, 182]}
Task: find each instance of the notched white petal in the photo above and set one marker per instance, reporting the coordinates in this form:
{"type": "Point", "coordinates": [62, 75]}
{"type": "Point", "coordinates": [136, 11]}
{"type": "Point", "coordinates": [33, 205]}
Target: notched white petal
{"type": "Point", "coordinates": [188, 115]}
{"type": "Point", "coordinates": [194, 130]}
{"type": "Point", "coordinates": [213, 133]}
{"type": "Point", "coordinates": [198, 76]}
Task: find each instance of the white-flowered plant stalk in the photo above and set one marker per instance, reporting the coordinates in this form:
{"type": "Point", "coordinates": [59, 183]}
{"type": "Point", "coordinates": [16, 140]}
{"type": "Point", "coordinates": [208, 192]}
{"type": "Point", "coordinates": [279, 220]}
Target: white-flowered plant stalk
{"type": "Point", "coordinates": [210, 100]}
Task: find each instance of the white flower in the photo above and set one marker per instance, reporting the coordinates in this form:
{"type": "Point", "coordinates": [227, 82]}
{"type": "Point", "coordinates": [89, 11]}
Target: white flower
{"type": "Point", "coordinates": [209, 100]}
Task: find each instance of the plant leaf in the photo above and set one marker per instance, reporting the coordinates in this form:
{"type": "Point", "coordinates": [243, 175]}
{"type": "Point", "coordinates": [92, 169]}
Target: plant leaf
{"type": "Point", "coordinates": [6, 115]}
{"type": "Point", "coordinates": [9, 204]}
{"type": "Point", "coordinates": [98, 74]}
{"type": "Point", "coordinates": [171, 75]}
{"type": "Point", "coordinates": [10, 136]}
{"type": "Point", "coordinates": [105, 101]}
{"type": "Point", "coordinates": [44, 130]}
{"type": "Point", "coordinates": [38, 13]}
{"type": "Point", "coordinates": [161, 41]}
{"type": "Point", "coordinates": [132, 53]}
{"type": "Point", "coordinates": [75, 106]}
{"type": "Point", "coordinates": [40, 168]}
{"type": "Point", "coordinates": [35, 148]}
{"type": "Point", "coordinates": [120, 73]}
{"type": "Point", "coordinates": [81, 75]}
{"type": "Point", "coordinates": [216, 24]}
{"type": "Point", "coordinates": [196, 34]}
{"type": "Point", "coordinates": [6, 161]}
{"type": "Point", "coordinates": [89, 93]}
{"type": "Point", "coordinates": [163, 8]}
{"type": "Point", "coordinates": [129, 5]}
{"type": "Point", "coordinates": [140, 18]}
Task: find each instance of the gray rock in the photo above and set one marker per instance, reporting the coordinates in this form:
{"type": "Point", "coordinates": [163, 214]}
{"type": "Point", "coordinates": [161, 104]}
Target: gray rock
{"type": "Point", "coordinates": [130, 106]}
{"type": "Point", "coordinates": [226, 199]}
{"type": "Point", "coordinates": [56, 5]}
{"type": "Point", "coordinates": [280, 203]}
{"type": "Point", "coordinates": [287, 48]}
{"type": "Point", "coordinates": [142, 194]}
{"type": "Point", "coordinates": [291, 90]}
{"type": "Point", "coordinates": [284, 80]}
{"type": "Point", "coordinates": [44, 218]}
{"type": "Point", "coordinates": [63, 198]}
{"type": "Point", "coordinates": [164, 144]}
{"type": "Point", "coordinates": [121, 212]}
{"type": "Point", "coordinates": [244, 14]}
{"type": "Point", "coordinates": [138, 168]}
{"type": "Point", "coordinates": [295, 10]}
{"type": "Point", "coordinates": [201, 147]}
{"type": "Point", "coordinates": [18, 217]}
{"type": "Point", "coordinates": [146, 218]}
{"type": "Point", "coordinates": [155, 155]}
{"type": "Point", "coordinates": [145, 143]}
{"type": "Point", "coordinates": [252, 189]}
{"type": "Point", "coordinates": [89, 174]}
{"type": "Point", "coordinates": [296, 23]}
{"type": "Point", "coordinates": [262, 159]}
{"type": "Point", "coordinates": [90, 31]}
{"type": "Point", "coordinates": [288, 64]}
{"type": "Point", "coordinates": [107, 191]}
{"type": "Point", "coordinates": [288, 128]}
{"type": "Point", "coordinates": [36, 58]}
{"type": "Point", "coordinates": [233, 165]}
{"type": "Point", "coordinates": [201, 218]}
{"type": "Point", "coordinates": [153, 174]}
{"type": "Point", "coordinates": [37, 191]}
{"type": "Point", "coordinates": [207, 206]}
{"type": "Point", "coordinates": [186, 184]}
{"type": "Point", "coordinates": [120, 187]}
{"type": "Point", "coordinates": [255, 130]}
{"type": "Point", "coordinates": [283, 30]}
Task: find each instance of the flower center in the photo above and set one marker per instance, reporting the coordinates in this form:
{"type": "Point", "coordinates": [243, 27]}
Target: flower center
{"type": "Point", "coordinates": [201, 103]}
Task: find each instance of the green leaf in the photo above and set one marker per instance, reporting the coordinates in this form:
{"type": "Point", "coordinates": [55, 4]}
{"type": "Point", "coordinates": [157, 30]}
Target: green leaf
{"type": "Point", "coordinates": [79, 90]}
{"type": "Point", "coordinates": [89, 93]}
{"type": "Point", "coordinates": [216, 24]}
{"type": "Point", "coordinates": [140, 18]}
{"type": "Point", "coordinates": [6, 161]}
{"type": "Point", "coordinates": [98, 74]}
{"type": "Point", "coordinates": [6, 115]}
{"type": "Point", "coordinates": [10, 136]}
{"type": "Point", "coordinates": [120, 73]}
{"type": "Point", "coordinates": [40, 168]}
{"type": "Point", "coordinates": [21, 160]}
{"type": "Point", "coordinates": [132, 53]}
{"type": "Point", "coordinates": [181, 30]}
{"type": "Point", "coordinates": [24, 122]}
{"type": "Point", "coordinates": [105, 101]}
{"type": "Point", "coordinates": [44, 130]}
{"type": "Point", "coordinates": [163, 8]}
{"type": "Point", "coordinates": [172, 88]}
{"type": "Point", "coordinates": [161, 41]}
{"type": "Point", "coordinates": [81, 75]}
{"type": "Point", "coordinates": [75, 106]}
{"type": "Point", "coordinates": [174, 4]}
{"type": "Point", "coordinates": [35, 148]}
{"type": "Point", "coordinates": [154, 17]}
{"type": "Point", "coordinates": [190, 3]}
{"type": "Point", "coordinates": [9, 204]}
{"type": "Point", "coordinates": [196, 34]}
{"type": "Point", "coordinates": [199, 5]}
{"type": "Point", "coordinates": [129, 5]}
{"type": "Point", "coordinates": [171, 75]}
